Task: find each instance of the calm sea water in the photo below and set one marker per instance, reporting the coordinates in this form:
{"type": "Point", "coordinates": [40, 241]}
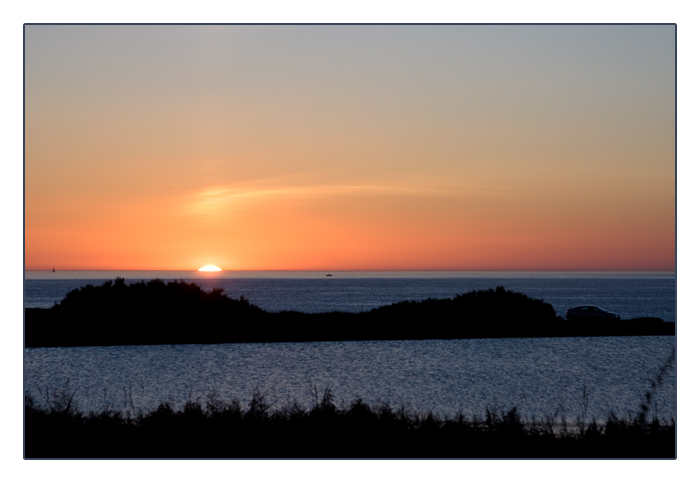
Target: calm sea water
{"type": "Point", "coordinates": [540, 376]}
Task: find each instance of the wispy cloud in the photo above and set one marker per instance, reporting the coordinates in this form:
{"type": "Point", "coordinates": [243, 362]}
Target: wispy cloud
{"type": "Point", "coordinates": [227, 201]}
{"type": "Point", "coordinates": [217, 203]}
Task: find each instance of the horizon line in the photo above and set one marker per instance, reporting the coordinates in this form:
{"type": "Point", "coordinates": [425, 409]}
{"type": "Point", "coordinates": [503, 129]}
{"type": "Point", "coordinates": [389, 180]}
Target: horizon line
{"type": "Point", "coordinates": [343, 270]}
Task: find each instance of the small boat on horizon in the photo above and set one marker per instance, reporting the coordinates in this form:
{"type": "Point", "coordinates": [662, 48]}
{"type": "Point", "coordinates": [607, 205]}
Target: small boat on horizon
{"type": "Point", "coordinates": [328, 275]}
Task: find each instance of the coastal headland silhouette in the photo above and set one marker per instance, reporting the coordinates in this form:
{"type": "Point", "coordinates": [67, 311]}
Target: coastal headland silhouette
{"type": "Point", "coordinates": [158, 312]}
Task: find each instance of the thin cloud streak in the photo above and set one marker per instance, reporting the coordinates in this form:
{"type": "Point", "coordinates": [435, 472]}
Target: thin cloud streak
{"type": "Point", "coordinates": [227, 201]}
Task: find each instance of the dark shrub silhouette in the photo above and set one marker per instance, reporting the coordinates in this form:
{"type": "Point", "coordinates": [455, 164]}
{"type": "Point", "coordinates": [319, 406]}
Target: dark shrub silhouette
{"type": "Point", "coordinates": [478, 313]}
{"type": "Point", "coordinates": [140, 313]}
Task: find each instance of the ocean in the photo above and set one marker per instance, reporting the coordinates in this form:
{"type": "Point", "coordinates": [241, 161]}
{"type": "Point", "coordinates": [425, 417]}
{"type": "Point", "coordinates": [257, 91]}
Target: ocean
{"type": "Point", "coordinates": [542, 377]}
{"type": "Point", "coordinates": [630, 294]}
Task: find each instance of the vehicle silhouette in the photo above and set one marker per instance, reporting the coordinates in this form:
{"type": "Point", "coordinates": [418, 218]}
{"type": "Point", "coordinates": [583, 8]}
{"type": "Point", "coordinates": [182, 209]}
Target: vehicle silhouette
{"type": "Point", "coordinates": [590, 313]}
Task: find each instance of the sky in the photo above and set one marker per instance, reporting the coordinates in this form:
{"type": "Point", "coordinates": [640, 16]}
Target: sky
{"type": "Point", "coordinates": [350, 147]}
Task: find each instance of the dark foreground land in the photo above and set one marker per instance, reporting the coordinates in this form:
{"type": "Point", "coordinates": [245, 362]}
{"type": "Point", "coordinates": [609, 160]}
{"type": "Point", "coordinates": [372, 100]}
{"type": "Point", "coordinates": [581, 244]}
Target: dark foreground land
{"type": "Point", "coordinates": [224, 429]}
{"type": "Point", "coordinates": [180, 313]}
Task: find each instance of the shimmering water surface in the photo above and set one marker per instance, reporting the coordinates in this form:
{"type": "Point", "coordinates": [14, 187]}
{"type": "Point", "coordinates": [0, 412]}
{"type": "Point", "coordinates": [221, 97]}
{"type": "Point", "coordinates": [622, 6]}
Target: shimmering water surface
{"type": "Point", "coordinates": [540, 376]}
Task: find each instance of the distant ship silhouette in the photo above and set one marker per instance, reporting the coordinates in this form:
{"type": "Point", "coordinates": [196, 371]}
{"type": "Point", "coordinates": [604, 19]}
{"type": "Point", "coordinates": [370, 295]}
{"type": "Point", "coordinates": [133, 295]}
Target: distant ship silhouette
{"type": "Point", "coordinates": [328, 275]}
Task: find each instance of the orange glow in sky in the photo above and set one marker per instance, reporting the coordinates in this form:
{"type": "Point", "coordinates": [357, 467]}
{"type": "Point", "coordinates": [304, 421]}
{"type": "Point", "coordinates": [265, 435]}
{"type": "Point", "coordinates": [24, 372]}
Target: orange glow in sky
{"type": "Point", "coordinates": [350, 147]}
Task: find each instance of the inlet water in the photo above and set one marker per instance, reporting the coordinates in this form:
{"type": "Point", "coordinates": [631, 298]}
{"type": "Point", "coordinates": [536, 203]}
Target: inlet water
{"type": "Point", "coordinates": [542, 377]}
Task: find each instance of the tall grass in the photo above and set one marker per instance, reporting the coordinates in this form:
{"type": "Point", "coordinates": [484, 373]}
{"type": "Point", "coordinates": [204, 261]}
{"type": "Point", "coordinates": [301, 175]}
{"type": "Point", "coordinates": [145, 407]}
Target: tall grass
{"type": "Point", "coordinates": [215, 427]}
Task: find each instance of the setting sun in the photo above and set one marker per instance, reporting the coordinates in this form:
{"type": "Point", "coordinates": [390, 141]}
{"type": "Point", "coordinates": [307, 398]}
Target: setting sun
{"type": "Point", "coordinates": [209, 268]}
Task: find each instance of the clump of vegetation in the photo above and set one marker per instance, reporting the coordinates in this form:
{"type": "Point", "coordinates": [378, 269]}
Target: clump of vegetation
{"type": "Point", "coordinates": [480, 313]}
{"type": "Point", "coordinates": [155, 299]}
{"type": "Point", "coordinates": [499, 306]}
{"type": "Point", "coordinates": [151, 312]}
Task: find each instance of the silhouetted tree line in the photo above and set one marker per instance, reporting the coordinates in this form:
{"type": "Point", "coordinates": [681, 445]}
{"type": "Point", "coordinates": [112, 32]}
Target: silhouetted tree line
{"type": "Point", "coordinates": [156, 312]}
